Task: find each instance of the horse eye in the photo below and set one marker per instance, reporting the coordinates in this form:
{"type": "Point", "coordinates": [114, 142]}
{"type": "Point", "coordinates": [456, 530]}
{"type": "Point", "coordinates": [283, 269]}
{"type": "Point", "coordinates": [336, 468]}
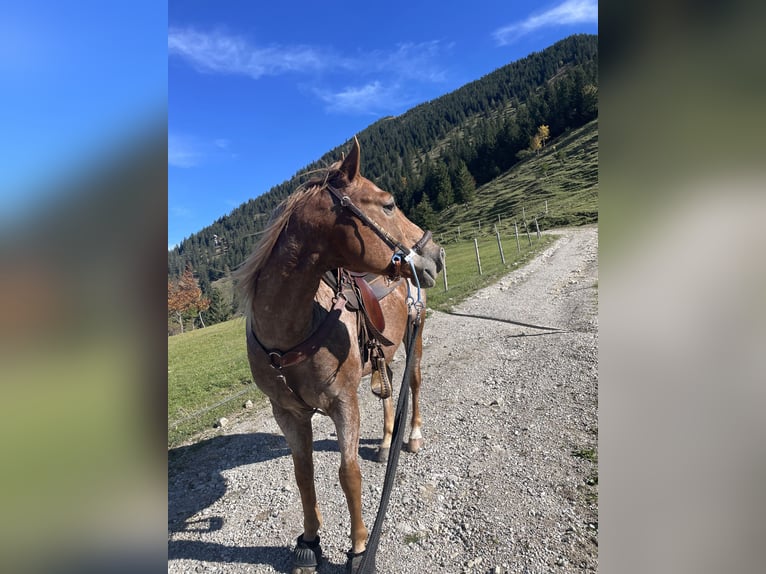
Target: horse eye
{"type": "Point", "coordinates": [389, 207]}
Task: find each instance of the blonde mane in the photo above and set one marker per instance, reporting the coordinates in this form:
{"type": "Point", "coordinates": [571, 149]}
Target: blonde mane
{"type": "Point", "coordinates": [246, 276]}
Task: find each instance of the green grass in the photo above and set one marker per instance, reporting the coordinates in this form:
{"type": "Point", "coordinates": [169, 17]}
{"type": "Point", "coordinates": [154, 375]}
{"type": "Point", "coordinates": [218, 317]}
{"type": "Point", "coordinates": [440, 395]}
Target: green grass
{"type": "Point", "coordinates": [463, 277]}
{"type": "Point", "coordinates": [586, 454]}
{"type": "Point", "coordinates": [204, 367]}
{"type": "Point", "coordinates": [413, 538]}
{"type": "Point", "coordinates": [590, 488]}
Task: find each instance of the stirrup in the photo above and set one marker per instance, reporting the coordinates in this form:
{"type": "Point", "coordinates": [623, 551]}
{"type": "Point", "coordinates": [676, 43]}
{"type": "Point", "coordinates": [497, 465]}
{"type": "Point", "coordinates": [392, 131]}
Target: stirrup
{"type": "Point", "coordinates": [380, 384]}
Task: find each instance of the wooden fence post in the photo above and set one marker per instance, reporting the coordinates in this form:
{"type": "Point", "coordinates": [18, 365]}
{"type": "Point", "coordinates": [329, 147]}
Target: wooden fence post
{"type": "Point", "coordinates": [516, 228]}
{"type": "Point", "coordinates": [529, 237]}
{"type": "Point", "coordinates": [478, 259]}
{"type": "Point", "coordinates": [444, 272]}
{"type": "Point", "coordinates": [538, 228]}
{"type": "Point", "coordinates": [500, 245]}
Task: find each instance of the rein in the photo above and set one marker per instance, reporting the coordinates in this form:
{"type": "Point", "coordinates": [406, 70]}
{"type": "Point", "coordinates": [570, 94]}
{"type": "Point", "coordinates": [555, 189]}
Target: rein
{"type": "Point", "coordinates": [367, 565]}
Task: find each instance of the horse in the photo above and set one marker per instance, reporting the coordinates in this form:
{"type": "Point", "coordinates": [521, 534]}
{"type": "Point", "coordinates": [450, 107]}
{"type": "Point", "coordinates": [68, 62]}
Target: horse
{"type": "Point", "coordinates": [303, 345]}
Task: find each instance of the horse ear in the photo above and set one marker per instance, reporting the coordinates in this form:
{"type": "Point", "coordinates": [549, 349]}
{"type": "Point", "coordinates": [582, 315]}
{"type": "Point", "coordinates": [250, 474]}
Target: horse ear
{"type": "Point", "coordinates": [350, 165]}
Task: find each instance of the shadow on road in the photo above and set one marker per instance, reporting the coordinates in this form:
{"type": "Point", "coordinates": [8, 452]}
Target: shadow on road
{"type": "Point", "coordinates": [196, 482]}
{"type": "Point", "coordinates": [519, 323]}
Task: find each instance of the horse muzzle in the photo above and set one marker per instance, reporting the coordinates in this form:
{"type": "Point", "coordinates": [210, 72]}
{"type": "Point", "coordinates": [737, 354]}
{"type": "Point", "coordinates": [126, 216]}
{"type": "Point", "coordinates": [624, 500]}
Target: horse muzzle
{"type": "Point", "coordinates": [426, 267]}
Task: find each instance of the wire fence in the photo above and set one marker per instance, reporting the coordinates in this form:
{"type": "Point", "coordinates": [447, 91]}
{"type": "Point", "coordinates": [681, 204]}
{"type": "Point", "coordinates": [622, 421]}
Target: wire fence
{"type": "Point", "coordinates": [209, 408]}
{"type": "Point", "coordinates": [528, 221]}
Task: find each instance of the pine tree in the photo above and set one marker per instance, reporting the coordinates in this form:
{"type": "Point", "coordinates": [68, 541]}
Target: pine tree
{"type": "Point", "coordinates": [438, 186]}
{"type": "Point", "coordinates": [218, 311]}
{"type": "Point", "coordinates": [464, 185]}
{"type": "Point", "coordinates": [423, 214]}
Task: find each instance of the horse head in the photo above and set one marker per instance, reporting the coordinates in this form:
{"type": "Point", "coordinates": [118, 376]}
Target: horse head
{"type": "Point", "coordinates": [371, 234]}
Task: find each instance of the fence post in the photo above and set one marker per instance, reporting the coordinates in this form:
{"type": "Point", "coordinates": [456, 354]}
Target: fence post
{"type": "Point", "coordinates": [500, 245]}
{"type": "Point", "coordinates": [444, 272]}
{"type": "Point", "coordinates": [458, 233]}
{"type": "Point", "coordinates": [478, 259]}
{"type": "Point", "coordinates": [538, 228]}
{"type": "Point", "coordinates": [546, 207]}
{"type": "Point", "coordinates": [516, 228]}
{"type": "Point", "coordinates": [529, 237]}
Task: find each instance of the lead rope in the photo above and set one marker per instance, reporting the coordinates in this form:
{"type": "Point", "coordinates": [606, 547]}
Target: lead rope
{"type": "Point", "coordinates": [367, 566]}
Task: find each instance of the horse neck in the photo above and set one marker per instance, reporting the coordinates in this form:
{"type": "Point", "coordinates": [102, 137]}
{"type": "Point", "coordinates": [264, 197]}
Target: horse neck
{"type": "Point", "coordinates": [283, 303]}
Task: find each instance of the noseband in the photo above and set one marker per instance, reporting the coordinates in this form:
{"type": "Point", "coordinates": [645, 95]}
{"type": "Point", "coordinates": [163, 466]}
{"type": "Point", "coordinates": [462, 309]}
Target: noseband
{"type": "Point", "coordinates": [401, 253]}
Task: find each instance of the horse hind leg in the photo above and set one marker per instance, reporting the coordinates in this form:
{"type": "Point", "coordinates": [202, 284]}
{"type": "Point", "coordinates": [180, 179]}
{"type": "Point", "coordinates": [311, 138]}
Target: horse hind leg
{"type": "Point", "coordinates": [388, 425]}
{"type": "Point", "coordinates": [299, 435]}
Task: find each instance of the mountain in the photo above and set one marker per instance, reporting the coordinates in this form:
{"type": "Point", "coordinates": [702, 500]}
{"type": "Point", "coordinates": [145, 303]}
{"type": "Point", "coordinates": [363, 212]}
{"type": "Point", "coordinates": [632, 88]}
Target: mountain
{"type": "Point", "coordinates": [432, 157]}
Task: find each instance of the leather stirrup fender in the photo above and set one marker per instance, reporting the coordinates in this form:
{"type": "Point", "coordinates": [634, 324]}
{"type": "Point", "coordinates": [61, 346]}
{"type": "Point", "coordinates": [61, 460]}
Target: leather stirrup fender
{"type": "Point", "coordinates": [371, 304]}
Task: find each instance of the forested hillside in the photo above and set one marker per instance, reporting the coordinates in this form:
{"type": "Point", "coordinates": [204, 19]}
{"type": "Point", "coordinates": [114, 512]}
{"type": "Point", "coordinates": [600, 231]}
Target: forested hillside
{"type": "Point", "coordinates": [433, 156]}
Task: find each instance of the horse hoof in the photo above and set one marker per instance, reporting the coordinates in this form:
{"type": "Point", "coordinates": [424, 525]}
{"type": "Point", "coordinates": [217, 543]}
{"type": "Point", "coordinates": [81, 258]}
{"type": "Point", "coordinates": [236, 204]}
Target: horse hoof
{"type": "Point", "coordinates": [355, 561]}
{"type": "Point", "coordinates": [415, 444]}
{"type": "Point", "coordinates": [382, 454]}
{"type": "Point", "coordinates": [306, 556]}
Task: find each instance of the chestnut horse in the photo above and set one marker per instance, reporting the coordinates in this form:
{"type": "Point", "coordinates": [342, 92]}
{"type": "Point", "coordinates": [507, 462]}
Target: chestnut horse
{"type": "Point", "coordinates": [302, 340]}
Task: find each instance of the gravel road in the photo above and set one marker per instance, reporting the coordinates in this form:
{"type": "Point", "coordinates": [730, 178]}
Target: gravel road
{"type": "Point", "coordinates": [506, 480]}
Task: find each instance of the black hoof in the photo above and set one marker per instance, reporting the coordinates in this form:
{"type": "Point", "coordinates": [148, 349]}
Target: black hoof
{"type": "Point", "coordinates": [355, 561]}
{"type": "Point", "coordinates": [306, 556]}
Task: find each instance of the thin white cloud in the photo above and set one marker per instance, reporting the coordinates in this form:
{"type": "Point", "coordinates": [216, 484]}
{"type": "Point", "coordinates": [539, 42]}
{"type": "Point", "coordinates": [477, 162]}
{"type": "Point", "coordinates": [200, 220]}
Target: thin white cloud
{"type": "Point", "coordinates": [412, 61]}
{"type": "Point", "coordinates": [568, 12]}
{"type": "Point", "coordinates": [217, 52]}
{"type": "Point", "coordinates": [187, 151]}
{"type": "Point", "coordinates": [182, 152]}
{"type": "Point", "coordinates": [369, 99]}
{"type": "Point", "coordinates": [384, 79]}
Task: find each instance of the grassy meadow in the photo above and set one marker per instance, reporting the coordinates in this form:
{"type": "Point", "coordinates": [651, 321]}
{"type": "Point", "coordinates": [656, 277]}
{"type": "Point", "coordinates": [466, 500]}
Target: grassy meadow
{"type": "Point", "coordinates": [205, 366]}
{"type": "Point", "coordinates": [463, 277]}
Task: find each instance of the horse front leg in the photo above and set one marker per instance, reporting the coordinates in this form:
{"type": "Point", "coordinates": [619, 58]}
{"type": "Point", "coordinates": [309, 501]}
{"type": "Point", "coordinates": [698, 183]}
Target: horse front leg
{"type": "Point", "coordinates": [299, 435]}
{"type": "Point", "coordinates": [416, 437]}
{"type": "Point", "coordinates": [346, 419]}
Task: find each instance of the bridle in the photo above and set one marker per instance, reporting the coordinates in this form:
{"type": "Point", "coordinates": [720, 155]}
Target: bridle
{"type": "Point", "coordinates": [400, 252]}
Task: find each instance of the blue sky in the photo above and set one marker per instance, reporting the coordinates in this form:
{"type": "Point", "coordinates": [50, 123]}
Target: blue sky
{"type": "Point", "coordinates": [258, 90]}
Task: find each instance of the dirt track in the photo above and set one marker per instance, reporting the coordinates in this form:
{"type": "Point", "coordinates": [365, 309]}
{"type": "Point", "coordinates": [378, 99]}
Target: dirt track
{"type": "Point", "coordinates": [506, 480]}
